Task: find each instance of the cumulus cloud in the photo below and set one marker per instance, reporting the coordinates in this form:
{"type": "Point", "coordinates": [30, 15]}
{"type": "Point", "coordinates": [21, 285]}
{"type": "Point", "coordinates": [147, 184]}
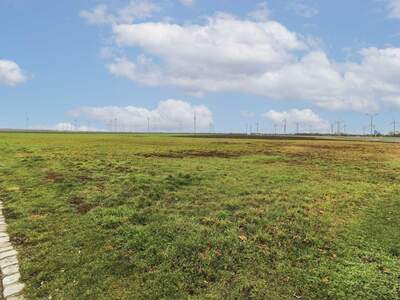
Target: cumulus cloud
{"type": "Point", "coordinates": [255, 55]}
{"type": "Point", "coordinates": [393, 7]}
{"type": "Point", "coordinates": [187, 2]}
{"type": "Point", "coordinates": [134, 10]}
{"type": "Point", "coordinates": [10, 73]}
{"type": "Point", "coordinates": [302, 9]}
{"type": "Point", "coordinates": [294, 117]}
{"type": "Point", "coordinates": [169, 115]}
{"type": "Point", "coordinates": [263, 58]}
{"type": "Point", "coordinates": [211, 57]}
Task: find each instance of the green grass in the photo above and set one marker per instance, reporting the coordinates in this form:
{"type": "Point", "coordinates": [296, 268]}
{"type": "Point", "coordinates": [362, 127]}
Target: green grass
{"type": "Point", "coordinates": [160, 217]}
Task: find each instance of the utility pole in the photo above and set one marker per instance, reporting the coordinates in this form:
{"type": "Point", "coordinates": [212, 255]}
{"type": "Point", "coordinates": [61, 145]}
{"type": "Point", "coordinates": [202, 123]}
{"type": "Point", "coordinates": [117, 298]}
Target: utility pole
{"type": "Point", "coordinates": [372, 116]}
{"type": "Point", "coordinates": [258, 127]}
{"type": "Point", "coordinates": [275, 129]}
{"type": "Point", "coordinates": [247, 129]}
{"type": "Point", "coordinates": [332, 128]}
{"type": "Point", "coordinates": [338, 127]}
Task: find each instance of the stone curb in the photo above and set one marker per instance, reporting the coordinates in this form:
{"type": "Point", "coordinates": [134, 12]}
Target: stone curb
{"type": "Point", "coordinates": [10, 276]}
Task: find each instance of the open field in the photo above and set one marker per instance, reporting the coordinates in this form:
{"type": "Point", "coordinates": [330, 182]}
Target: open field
{"type": "Point", "coordinates": [101, 216]}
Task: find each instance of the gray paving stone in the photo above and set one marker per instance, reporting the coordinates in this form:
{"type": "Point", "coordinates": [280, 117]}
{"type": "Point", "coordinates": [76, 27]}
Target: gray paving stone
{"type": "Point", "coordinates": [13, 289]}
{"type": "Point", "coordinates": [9, 270]}
{"type": "Point", "coordinates": [4, 249]}
{"type": "Point", "coordinates": [15, 298]}
{"type": "Point", "coordinates": [4, 239]}
{"type": "Point", "coordinates": [4, 244]}
{"type": "Point", "coordinates": [8, 261]}
{"type": "Point", "coordinates": [11, 279]}
{"type": "Point", "coordinates": [8, 254]}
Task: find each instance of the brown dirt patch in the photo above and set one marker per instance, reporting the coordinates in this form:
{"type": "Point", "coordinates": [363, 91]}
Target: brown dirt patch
{"type": "Point", "coordinates": [188, 154]}
{"type": "Point", "coordinates": [54, 177]}
{"type": "Point", "coordinates": [81, 206]}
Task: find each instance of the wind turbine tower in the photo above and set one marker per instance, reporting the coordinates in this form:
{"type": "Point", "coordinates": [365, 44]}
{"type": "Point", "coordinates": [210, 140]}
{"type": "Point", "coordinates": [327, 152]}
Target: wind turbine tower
{"type": "Point", "coordinates": [372, 116]}
{"type": "Point", "coordinates": [284, 126]}
{"type": "Point", "coordinates": [195, 123]}
{"type": "Point", "coordinates": [394, 126]}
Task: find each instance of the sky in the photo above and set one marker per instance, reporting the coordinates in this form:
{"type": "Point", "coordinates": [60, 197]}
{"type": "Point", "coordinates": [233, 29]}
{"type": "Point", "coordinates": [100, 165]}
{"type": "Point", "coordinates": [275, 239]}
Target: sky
{"type": "Point", "coordinates": [230, 64]}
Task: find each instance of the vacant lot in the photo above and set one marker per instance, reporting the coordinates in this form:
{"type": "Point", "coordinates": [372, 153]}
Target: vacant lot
{"type": "Point", "coordinates": [149, 216]}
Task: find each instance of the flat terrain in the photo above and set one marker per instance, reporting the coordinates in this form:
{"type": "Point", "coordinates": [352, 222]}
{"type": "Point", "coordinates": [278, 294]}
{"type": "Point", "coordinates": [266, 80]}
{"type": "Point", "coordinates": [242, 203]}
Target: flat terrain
{"type": "Point", "coordinates": [101, 216]}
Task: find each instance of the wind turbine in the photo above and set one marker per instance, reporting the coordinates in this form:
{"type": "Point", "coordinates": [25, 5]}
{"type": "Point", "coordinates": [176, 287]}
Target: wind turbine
{"type": "Point", "coordinates": [372, 116]}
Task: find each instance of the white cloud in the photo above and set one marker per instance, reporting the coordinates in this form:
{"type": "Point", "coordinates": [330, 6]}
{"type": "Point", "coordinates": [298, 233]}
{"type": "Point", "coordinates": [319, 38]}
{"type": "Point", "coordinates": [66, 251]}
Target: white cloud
{"type": "Point", "coordinates": [261, 13]}
{"type": "Point", "coordinates": [302, 9]}
{"type": "Point", "coordinates": [187, 2]}
{"type": "Point", "coordinates": [210, 57]}
{"type": "Point", "coordinates": [66, 126]}
{"type": "Point", "coordinates": [137, 9]}
{"type": "Point", "coordinates": [142, 70]}
{"type": "Point", "coordinates": [304, 117]}
{"type": "Point", "coordinates": [134, 10]}
{"type": "Point", "coordinates": [98, 15]}
{"type": "Point", "coordinates": [10, 73]}
{"type": "Point", "coordinates": [254, 56]}
{"type": "Point", "coordinates": [263, 58]}
{"type": "Point", "coordinates": [393, 7]}
{"type": "Point", "coordinates": [169, 115]}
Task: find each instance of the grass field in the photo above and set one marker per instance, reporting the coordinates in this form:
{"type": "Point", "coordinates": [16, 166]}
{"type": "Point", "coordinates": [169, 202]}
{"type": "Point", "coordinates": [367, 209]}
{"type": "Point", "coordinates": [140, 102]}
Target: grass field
{"type": "Point", "coordinates": [104, 216]}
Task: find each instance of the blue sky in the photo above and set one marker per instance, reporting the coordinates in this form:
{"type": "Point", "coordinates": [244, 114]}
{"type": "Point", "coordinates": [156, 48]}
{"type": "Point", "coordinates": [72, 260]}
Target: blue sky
{"type": "Point", "coordinates": [121, 64]}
